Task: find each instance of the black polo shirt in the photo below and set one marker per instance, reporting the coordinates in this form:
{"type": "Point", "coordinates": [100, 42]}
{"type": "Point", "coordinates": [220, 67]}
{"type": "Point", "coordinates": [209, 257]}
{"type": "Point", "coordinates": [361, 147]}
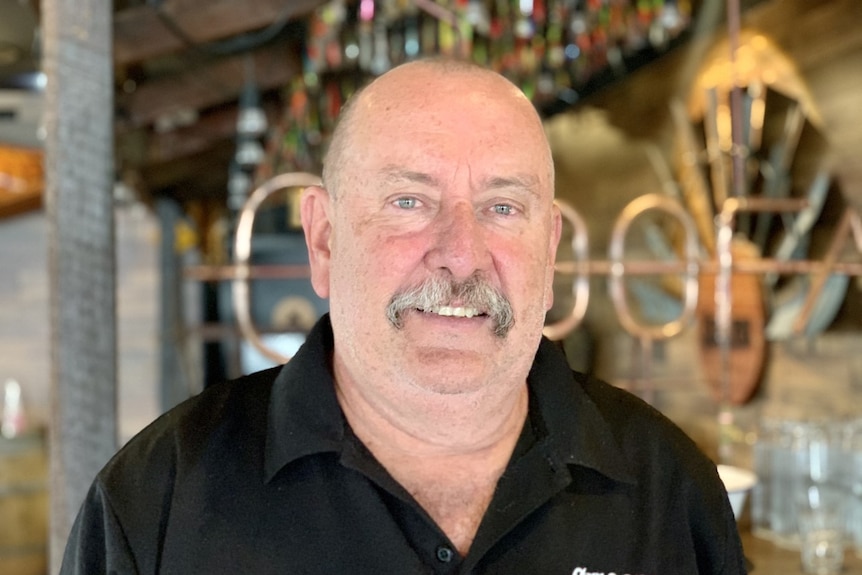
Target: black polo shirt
{"type": "Point", "coordinates": [263, 475]}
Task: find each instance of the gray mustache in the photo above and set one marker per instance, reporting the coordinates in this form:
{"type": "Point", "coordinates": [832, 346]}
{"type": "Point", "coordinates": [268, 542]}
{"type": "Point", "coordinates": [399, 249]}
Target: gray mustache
{"type": "Point", "coordinates": [439, 291]}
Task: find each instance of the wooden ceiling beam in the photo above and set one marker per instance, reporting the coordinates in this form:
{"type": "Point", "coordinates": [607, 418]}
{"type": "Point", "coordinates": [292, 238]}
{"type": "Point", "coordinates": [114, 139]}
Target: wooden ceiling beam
{"type": "Point", "coordinates": [140, 33]}
{"type": "Point", "coordinates": [202, 175]}
{"type": "Point", "coordinates": [210, 129]}
{"type": "Point", "coordinates": [207, 86]}
{"type": "Point", "coordinates": [200, 136]}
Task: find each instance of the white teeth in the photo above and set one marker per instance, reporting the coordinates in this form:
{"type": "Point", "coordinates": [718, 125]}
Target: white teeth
{"type": "Point", "coordinates": [455, 311]}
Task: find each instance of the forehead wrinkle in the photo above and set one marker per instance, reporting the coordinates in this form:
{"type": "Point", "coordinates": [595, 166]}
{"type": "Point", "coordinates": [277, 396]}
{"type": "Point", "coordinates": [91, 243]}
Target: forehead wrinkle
{"type": "Point", "coordinates": [397, 175]}
{"type": "Point", "coordinates": [527, 182]}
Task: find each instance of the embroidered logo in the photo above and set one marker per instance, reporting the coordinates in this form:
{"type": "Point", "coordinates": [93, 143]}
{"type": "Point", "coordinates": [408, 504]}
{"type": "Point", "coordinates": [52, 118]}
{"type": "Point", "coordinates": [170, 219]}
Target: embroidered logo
{"type": "Point", "coordinates": [585, 571]}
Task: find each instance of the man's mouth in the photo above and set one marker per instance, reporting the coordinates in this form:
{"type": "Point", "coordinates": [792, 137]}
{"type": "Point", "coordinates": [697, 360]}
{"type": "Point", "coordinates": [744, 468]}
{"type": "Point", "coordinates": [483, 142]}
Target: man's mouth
{"type": "Point", "coordinates": [438, 295]}
{"type": "Point", "coordinates": [453, 311]}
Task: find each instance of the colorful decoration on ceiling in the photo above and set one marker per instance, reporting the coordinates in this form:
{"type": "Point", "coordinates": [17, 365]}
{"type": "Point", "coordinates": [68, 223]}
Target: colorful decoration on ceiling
{"type": "Point", "coordinates": [553, 49]}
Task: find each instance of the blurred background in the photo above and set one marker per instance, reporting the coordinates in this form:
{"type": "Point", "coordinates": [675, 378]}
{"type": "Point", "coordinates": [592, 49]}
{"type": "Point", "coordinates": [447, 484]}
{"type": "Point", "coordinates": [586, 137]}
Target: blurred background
{"type": "Point", "coordinates": [184, 108]}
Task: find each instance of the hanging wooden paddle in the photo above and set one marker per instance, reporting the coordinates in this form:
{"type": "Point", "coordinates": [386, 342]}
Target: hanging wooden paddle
{"type": "Point", "coordinates": [747, 336]}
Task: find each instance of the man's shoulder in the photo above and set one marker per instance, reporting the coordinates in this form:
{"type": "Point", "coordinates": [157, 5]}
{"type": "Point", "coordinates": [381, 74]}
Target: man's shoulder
{"type": "Point", "coordinates": [224, 413]}
{"type": "Point", "coordinates": [622, 409]}
{"type": "Point", "coordinates": [645, 435]}
{"type": "Point", "coordinates": [611, 415]}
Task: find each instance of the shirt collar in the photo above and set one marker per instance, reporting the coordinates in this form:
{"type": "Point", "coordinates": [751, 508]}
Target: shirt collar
{"type": "Point", "coordinates": [304, 415]}
{"type": "Point", "coordinates": [575, 426]}
{"type": "Point", "coordinates": [305, 418]}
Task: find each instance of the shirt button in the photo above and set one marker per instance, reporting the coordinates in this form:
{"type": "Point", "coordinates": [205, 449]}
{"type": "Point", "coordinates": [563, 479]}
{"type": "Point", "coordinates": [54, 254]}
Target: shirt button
{"type": "Point", "coordinates": [445, 554]}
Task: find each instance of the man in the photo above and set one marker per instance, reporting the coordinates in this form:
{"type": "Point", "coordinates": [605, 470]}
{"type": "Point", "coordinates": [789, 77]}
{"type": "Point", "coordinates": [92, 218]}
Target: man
{"type": "Point", "coordinates": [425, 426]}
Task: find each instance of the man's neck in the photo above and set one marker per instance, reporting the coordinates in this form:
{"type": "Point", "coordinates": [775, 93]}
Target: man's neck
{"type": "Point", "coordinates": [448, 451]}
{"type": "Point", "coordinates": [426, 424]}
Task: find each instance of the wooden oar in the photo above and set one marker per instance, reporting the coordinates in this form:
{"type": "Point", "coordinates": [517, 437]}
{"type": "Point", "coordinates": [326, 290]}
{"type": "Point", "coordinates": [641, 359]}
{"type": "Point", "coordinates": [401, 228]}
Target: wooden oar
{"type": "Point", "coordinates": [747, 341]}
{"type": "Point", "coordinates": [776, 170]}
{"type": "Point", "coordinates": [695, 191]}
{"type": "Point", "coordinates": [717, 160]}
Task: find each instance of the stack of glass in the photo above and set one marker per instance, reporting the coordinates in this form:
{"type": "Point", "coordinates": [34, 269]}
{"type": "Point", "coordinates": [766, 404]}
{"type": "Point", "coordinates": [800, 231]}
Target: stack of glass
{"type": "Point", "coordinates": [808, 467]}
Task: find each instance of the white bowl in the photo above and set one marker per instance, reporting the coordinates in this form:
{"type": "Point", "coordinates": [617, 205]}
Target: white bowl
{"type": "Point", "coordinates": [738, 482]}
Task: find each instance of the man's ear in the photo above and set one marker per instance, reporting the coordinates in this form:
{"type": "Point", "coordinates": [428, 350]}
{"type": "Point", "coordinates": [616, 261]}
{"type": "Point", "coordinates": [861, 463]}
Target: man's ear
{"type": "Point", "coordinates": [315, 213]}
{"type": "Point", "coordinates": [554, 242]}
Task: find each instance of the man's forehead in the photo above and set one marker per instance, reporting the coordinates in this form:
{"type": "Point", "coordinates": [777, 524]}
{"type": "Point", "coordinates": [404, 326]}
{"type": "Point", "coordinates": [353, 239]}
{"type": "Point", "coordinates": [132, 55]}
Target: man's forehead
{"type": "Point", "coordinates": [421, 110]}
{"type": "Point", "coordinates": [421, 86]}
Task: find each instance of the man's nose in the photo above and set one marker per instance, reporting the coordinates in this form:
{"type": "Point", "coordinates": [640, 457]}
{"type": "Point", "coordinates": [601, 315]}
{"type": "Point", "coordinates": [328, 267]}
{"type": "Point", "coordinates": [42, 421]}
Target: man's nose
{"type": "Point", "coordinates": [459, 243]}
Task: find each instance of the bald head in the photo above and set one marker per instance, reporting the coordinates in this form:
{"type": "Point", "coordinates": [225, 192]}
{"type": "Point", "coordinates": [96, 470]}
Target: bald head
{"type": "Point", "coordinates": [417, 88]}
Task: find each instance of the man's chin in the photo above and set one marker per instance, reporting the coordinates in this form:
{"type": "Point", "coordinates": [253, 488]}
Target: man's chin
{"type": "Point", "coordinates": [455, 386]}
{"type": "Point", "coordinates": [450, 371]}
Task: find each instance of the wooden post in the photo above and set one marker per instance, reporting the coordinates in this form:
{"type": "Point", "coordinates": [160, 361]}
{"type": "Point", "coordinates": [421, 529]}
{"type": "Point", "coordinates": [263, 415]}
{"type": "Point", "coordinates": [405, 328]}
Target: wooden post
{"type": "Point", "coordinates": [78, 198]}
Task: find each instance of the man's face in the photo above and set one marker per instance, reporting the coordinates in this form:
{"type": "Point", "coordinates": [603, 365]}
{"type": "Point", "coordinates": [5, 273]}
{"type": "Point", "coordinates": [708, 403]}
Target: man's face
{"type": "Point", "coordinates": [450, 188]}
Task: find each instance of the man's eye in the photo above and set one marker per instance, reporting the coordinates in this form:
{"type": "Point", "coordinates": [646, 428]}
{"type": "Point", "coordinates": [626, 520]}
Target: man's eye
{"type": "Point", "coordinates": [406, 203]}
{"type": "Point", "coordinates": [503, 209]}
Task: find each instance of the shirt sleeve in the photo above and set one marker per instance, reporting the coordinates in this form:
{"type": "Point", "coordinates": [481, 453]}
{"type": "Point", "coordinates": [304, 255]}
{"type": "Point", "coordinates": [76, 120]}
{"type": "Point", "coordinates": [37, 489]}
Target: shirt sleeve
{"type": "Point", "coordinates": [719, 546]}
{"type": "Point", "coordinates": [735, 562]}
{"type": "Point", "coordinates": [97, 544]}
